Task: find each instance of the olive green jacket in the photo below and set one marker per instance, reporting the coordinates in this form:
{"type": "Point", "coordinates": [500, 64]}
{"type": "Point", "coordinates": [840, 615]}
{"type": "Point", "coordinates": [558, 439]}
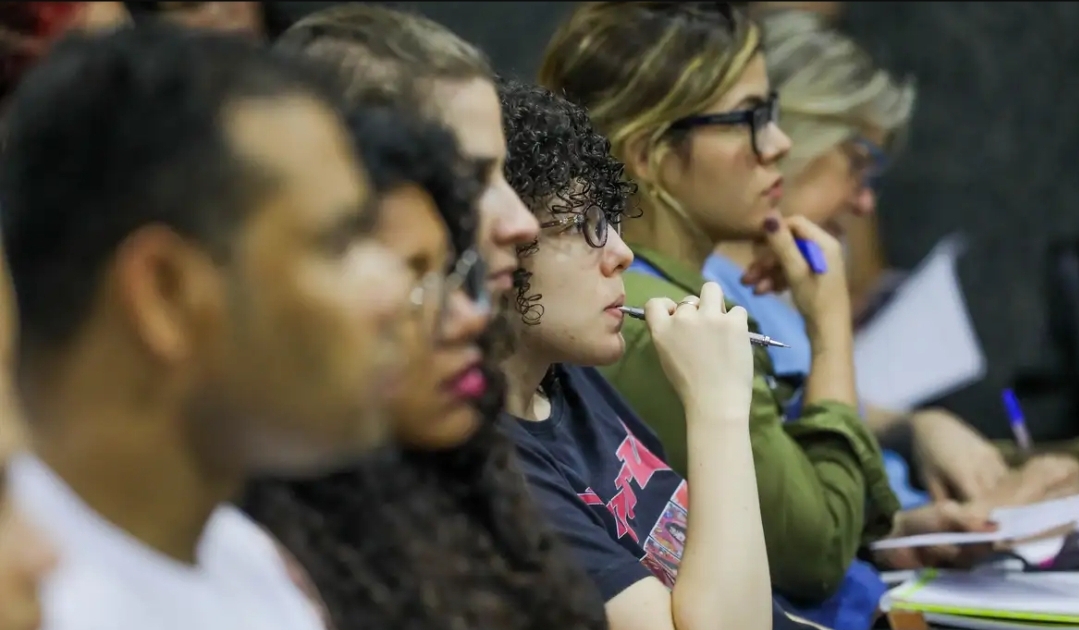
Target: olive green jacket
{"type": "Point", "coordinates": [822, 484]}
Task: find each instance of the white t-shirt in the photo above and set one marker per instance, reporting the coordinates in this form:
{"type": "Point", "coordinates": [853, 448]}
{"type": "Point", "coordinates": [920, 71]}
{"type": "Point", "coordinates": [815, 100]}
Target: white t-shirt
{"type": "Point", "coordinates": [108, 580]}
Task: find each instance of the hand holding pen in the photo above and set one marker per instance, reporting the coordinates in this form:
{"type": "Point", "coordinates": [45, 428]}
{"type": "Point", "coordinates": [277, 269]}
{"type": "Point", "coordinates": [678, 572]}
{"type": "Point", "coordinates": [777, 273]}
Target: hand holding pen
{"type": "Point", "coordinates": [754, 338]}
{"type": "Point", "coordinates": [799, 254]}
{"type": "Point", "coordinates": [703, 352]}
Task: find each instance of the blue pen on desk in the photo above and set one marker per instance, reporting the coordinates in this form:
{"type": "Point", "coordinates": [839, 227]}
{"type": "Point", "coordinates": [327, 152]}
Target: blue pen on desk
{"type": "Point", "coordinates": [813, 255]}
{"type": "Point", "coordinates": [1016, 419]}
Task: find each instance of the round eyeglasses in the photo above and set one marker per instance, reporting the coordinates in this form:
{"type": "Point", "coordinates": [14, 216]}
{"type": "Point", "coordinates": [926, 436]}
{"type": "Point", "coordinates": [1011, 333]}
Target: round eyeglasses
{"type": "Point", "coordinates": [759, 117]}
{"type": "Point", "coordinates": [430, 296]}
{"type": "Point", "coordinates": [593, 222]}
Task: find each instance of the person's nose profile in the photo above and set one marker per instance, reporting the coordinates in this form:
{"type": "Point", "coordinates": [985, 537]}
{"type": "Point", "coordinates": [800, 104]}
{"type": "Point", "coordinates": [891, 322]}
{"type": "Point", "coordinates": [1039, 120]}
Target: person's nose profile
{"type": "Point", "coordinates": [617, 256]}
{"type": "Point", "coordinates": [778, 145]}
{"type": "Point", "coordinates": [513, 223]}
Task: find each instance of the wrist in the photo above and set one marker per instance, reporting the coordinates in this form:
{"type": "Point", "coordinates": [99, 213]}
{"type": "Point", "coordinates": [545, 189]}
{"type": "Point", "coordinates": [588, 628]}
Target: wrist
{"type": "Point", "coordinates": [830, 334]}
{"type": "Point", "coordinates": [712, 411]}
{"type": "Point", "coordinates": [830, 311]}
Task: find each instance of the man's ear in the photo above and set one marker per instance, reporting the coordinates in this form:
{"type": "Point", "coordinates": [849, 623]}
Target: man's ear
{"type": "Point", "coordinates": [167, 288]}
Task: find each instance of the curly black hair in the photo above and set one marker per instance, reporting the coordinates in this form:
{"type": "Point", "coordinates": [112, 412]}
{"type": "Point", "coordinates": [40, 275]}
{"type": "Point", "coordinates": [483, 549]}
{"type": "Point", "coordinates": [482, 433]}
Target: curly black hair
{"type": "Point", "coordinates": [419, 540]}
{"type": "Point", "coordinates": [557, 162]}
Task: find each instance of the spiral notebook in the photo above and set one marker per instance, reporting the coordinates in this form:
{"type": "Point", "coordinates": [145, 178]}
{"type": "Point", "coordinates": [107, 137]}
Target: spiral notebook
{"type": "Point", "coordinates": [1008, 599]}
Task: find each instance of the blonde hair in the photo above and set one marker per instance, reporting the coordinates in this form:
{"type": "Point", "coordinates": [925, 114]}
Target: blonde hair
{"type": "Point", "coordinates": [829, 87]}
{"type": "Point", "coordinates": [638, 67]}
{"type": "Point", "coordinates": [385, 56]}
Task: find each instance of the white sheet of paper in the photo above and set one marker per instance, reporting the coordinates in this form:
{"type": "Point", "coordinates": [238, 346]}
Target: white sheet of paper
{"type": "Point", "coordinates": [1051, 593]}
{"type": "Point", "coordinates": [922, 344]}
{"type": "Point", "coordinates": [1015, 523]}
{"type": "Point", "coordinates": [1039, 551]}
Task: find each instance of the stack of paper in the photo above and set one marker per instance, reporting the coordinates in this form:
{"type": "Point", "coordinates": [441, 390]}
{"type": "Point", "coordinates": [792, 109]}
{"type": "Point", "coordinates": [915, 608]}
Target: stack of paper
{"type": "Point", "coordinates": [990, 599]}
{"type": "Point", "coordinates": [1016, 523]}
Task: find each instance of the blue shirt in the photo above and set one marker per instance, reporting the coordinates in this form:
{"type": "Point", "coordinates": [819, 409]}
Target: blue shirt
{"type": "Point", "coordinates": [775, 317]}
{"type": "Point", "coordinates": [599, 476]}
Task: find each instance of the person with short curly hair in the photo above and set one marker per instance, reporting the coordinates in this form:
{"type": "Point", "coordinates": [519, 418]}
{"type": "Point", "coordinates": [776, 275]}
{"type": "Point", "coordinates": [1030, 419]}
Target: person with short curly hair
{"type": "Point", "coordinates": [596, 469]}
{"type": "Point", "coordinates": [443, 535]}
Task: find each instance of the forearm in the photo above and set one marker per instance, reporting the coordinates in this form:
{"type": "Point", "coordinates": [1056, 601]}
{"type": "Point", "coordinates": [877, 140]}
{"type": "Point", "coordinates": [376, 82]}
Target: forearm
{"type": "Point", "coordinates": [831, 371]}
{"type": "Point", "coordinates": [813, 499]}
{"type": "Point", "coordinates": [723, 579]}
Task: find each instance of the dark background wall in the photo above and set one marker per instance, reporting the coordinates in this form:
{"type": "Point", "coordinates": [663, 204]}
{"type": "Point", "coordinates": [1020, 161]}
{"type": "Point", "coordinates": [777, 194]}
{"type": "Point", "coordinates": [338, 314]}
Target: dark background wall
{"type": "Point", "coordinates": [993, 150]}
{"type": "Point", "coordinates": [994, 144]}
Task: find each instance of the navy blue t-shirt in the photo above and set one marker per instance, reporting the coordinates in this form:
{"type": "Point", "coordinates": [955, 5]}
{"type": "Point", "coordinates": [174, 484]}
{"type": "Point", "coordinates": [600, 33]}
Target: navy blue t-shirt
{"type": "Point", "coordinates": [598, 473]}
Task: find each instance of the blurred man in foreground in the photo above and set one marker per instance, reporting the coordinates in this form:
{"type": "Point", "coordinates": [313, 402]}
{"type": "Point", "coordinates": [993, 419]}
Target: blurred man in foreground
{"type": "Point", "coordinates": [201, 301]}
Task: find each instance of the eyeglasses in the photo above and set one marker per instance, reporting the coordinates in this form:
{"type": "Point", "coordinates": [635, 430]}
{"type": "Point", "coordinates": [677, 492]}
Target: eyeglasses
{"type": "Point", "coordinates": [430, 296]}
{"type": "Point", "coordinates": [759, 118]}
{"type": "Point", "coordinates": [593, 221]}
{"type": "Point", "coordinates": [868, 161]}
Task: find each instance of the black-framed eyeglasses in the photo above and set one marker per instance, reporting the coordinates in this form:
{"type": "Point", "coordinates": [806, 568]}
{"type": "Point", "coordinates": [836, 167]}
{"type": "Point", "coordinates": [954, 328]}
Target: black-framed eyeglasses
{"type": "Point", "coordinates": [593, 222]}
{"type": "Point", "coordinates": [868, 161]}
{"type": "Point", "coordinates": [430, 296]}
{"type": "Point", "coordinates": [758, 118]}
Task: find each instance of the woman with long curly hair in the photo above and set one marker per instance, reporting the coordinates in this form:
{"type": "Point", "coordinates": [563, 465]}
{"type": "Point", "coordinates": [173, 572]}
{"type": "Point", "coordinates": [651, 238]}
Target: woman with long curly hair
{"type": "Point", "coordinates": [442, 534]}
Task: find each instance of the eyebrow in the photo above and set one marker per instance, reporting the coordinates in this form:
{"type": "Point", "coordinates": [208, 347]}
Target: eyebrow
{"type": "Point", "coordinates": [354, 220]}
{"type": "Point", "coordinates": [751, 100]}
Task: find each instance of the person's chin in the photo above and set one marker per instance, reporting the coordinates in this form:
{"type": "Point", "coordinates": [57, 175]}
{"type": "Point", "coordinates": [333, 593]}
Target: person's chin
{"type": "Point", "coordinates": [609, 352]}
{"type": "Point", "coordinates": [752, 226]}
{"type": "Point", "coordinates": [449, 430]}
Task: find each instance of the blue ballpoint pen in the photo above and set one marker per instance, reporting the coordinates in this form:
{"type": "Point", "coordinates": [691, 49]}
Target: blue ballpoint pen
{"type": "Point", "coordinates": [1016, 419]}
{"type": "Point", "coordinates": [813, 255]}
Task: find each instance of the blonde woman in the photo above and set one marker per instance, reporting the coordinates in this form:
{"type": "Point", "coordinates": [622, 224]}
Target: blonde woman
{"type": "Point", "coordinates": [846, 118]}
{"type": "Point", "coordinates": [682, 92]}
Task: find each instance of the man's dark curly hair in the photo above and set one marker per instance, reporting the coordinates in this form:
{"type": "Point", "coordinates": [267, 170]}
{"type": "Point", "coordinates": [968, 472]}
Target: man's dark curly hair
{"type": "Point", "coordinates": [557, 162]}
{"type": "Point", "coordinates": [421, 540]}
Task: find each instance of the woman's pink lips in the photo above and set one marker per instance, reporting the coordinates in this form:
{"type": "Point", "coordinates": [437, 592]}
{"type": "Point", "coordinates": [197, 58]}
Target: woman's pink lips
{"type": "Point", "coordinates": [775, 193]}
{"type": "Point", "coordinates": [470, 384]}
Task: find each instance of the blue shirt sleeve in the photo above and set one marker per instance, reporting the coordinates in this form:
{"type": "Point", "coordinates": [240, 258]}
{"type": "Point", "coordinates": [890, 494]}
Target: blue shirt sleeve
{"type": "Point", "coordinates": [611, 566]}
